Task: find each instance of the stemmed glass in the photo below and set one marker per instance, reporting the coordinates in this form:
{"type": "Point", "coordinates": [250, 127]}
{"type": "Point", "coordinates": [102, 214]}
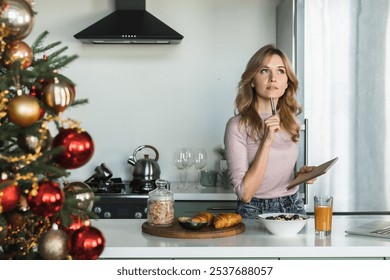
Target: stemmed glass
{"type": "Point", "coordinates": [188, 162]}
{"type": "Point", "coordinates": [200, 160]}
{"type": "Point", "coordinates": [179, 159]}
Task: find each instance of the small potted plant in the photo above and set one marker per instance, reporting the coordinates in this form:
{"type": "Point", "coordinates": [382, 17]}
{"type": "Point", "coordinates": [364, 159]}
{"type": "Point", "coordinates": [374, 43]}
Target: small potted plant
{"type": "Point", "coordinates": [222, 163]}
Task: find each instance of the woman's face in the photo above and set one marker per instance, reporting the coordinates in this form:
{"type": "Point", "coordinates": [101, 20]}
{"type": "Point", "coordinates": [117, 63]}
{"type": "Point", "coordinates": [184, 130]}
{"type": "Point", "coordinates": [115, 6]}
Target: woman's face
{"type": "Point", "coordinates": [271, 80]}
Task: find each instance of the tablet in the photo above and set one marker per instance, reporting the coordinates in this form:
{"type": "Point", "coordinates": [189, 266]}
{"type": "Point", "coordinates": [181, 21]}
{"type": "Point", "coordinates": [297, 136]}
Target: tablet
{"type": "Point", "coordinates": [316, 172]}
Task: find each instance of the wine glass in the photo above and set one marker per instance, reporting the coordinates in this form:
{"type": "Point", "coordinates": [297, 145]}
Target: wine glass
{"type": "Point", "coordinates": [188, 162]}
{"type": "Point", "coordinates": [179, 159]}
{"type": "Point", "coordinates": [200, 160]}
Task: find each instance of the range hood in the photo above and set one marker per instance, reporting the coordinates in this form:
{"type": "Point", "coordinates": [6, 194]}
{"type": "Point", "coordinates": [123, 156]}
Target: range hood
{"type": "Point", "coordinates": [130, 23]}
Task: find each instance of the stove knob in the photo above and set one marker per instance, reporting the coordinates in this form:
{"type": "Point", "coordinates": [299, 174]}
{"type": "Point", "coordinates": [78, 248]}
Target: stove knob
{"type": "Point", "coordinates": [138, 215]}
{"type": "Point", "coordinates": [107, 215]}
{"type": "Point", "coordinates": [97, 210]}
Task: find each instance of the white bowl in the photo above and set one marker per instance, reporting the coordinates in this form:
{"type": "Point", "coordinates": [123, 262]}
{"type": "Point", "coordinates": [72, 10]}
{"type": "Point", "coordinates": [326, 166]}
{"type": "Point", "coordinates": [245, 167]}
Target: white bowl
{"type": "Point", "coordinates": [283, 227]}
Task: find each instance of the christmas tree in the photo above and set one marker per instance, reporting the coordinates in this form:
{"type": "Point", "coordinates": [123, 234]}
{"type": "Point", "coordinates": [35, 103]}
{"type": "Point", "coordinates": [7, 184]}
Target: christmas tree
{"type": "Point", "coordinates": [42, 216]}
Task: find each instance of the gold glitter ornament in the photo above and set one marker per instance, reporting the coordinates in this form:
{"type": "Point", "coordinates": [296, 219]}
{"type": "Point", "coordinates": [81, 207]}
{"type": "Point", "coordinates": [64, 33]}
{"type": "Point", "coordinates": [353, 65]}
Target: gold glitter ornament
{"type": "Point", "coordinates": [22, 240]}
{"type": "Point", "coordinates": [18, 50]}
{"type": "Point", "coordinates": [3, 228]}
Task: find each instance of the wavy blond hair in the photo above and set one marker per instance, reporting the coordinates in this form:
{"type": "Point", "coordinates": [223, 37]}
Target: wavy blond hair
{"type": "Point", "coordinates": [287, 104]}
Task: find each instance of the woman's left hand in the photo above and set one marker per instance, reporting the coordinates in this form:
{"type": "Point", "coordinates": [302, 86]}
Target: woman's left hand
{"type": "Point", "coordinates": [305, 169]}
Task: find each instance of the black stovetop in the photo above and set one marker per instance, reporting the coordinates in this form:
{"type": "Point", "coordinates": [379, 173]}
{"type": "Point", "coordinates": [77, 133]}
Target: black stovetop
{"type": "Point", "coordinates": [115, 187]}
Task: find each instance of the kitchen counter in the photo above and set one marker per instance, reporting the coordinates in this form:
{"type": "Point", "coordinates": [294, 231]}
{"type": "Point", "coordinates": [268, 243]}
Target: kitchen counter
{"type": "Point", "coordinates": [208, 193]}
{"type": "Point", "coordinates": [125, 240]}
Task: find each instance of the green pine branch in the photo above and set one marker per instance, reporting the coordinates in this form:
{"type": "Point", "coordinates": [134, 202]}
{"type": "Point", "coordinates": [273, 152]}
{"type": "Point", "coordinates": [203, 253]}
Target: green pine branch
{"type": "Point", "coordinates": [79, 102]}
{"type": "Point", "coordinates": [39, 47]}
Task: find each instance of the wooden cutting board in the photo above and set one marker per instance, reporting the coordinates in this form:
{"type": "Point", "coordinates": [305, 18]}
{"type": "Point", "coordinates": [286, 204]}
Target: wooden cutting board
{"type": "Point", "coordinates": [177, 231]}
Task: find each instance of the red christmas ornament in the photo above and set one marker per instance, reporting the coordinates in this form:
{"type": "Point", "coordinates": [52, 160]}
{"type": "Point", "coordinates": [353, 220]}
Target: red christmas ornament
{"type": "Point", "coordinates": [86, 243]}
{"type": "Point", "coordinates": [48, 200]}
{"type": "Point", "coordinates": [78, 221]}
{"type": "Point", "coordinates": [78, 148]}
{"type": "Point", "coordinates": [9, 198]}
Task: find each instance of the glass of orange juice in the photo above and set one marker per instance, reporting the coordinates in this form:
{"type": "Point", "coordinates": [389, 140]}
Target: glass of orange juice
{"type": "Point", "coordinates": [323, 205]}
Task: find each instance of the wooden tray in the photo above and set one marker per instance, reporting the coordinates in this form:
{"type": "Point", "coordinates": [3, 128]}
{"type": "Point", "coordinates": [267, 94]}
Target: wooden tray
{"type": "Point", "coordinates": [177, 231]}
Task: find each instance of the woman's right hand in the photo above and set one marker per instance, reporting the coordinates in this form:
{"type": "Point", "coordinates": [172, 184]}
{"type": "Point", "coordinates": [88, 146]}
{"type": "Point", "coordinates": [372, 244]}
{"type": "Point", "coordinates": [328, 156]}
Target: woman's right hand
{"type": "Point", "coordinates": [271, 126]}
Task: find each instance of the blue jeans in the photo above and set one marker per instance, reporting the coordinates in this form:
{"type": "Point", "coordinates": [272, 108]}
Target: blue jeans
{"type": "Point", "coordinates": [286, 204]}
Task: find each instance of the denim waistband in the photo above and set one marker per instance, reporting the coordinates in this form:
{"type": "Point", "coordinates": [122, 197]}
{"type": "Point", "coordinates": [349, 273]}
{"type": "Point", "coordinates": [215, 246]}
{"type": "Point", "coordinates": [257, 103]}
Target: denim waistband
{"type": "Point", "coordinates": [286, 204]}
{"type": "Point", "coordinates": [290, 198]}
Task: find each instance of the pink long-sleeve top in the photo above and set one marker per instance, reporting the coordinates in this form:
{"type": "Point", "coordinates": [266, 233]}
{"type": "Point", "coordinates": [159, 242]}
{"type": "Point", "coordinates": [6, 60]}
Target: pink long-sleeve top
{"type": "Point", "coordinates": [240, 151]}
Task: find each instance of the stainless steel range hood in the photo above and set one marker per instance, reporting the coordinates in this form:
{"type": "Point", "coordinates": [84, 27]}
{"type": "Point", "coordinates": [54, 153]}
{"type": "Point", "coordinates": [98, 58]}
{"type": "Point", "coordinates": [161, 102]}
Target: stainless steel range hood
{"type": "Point", "coordinates": [130, 23]}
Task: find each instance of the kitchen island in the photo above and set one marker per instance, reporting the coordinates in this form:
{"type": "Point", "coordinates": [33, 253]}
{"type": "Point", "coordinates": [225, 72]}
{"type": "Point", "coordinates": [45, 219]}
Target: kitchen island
{"type": "Point", "coordinates": [125, 240]}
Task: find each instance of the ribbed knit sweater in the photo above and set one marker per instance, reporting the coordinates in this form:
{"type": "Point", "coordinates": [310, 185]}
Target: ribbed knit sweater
{"type": "Point", "coordinates": [240, 152]}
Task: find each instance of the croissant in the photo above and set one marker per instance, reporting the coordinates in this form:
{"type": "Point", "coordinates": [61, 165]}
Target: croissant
{"type": "Point", "coordinates": [224, 220]}
{"type": "Point", "coordinates": [204, 217]}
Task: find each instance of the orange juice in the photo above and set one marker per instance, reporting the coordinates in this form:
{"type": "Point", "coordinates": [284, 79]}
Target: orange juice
{"type": "Point", "coordinates": [323, 218]}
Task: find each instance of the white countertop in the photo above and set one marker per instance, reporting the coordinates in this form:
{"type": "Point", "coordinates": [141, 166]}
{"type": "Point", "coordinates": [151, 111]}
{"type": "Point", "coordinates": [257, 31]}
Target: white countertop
{"type": "Point", "coordinates": [125, 239]}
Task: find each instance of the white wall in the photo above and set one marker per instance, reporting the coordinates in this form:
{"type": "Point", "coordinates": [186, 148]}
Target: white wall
{"type": "Point", "coordinates": [168, 96]}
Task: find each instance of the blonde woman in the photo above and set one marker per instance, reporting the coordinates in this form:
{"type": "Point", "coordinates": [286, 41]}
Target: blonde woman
{"type": "Point", "coordinates": [261, 140]}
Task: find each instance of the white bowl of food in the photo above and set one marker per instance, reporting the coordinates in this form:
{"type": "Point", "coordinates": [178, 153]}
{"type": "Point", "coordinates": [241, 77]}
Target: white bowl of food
{"type": "Point", "coordinates": [283, 224]}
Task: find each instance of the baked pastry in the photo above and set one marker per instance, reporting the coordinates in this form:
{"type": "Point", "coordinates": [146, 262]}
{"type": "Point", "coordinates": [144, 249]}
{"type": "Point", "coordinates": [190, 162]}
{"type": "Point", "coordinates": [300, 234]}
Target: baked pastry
{"type": "Point", "coordinates": [203, 217]}
{"type": "Point", "coordinates": [224, 220]}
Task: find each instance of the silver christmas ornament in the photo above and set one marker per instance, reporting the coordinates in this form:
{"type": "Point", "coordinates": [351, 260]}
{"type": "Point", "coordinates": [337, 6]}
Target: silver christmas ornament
{"type": "Point", "coordinates": [53, 245]}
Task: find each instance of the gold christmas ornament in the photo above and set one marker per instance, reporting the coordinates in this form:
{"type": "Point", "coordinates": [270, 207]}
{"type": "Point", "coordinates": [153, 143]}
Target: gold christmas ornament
{"type": "Point", "coordinates": [24, 110]}
{"type": "Point", "coordinates": [18, 17]}
{"type": "Point", "coordinates": [18, 50]}
{"type": "Point", "coordinates": [83, 193]}
{"type": "Point", "coordinates": [58, 95]}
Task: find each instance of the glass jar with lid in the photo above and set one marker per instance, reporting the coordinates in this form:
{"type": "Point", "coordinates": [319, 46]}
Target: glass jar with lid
{"type": "Point", "coordinates": [160, 205]}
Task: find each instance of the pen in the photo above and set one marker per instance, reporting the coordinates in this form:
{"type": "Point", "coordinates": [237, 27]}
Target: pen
{"type": "Point", "coordinates": [272, 105]}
